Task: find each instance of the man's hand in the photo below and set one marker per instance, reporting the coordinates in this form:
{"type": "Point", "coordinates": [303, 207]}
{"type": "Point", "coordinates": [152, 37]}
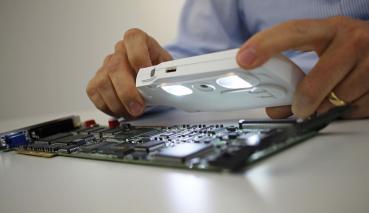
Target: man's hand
{"type": "Point", "coordinates": [113, 89]}
{"type": "Point", "coordinates": [342, 44]}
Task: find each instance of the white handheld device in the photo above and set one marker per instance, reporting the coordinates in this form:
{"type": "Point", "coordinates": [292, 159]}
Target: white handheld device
{"type": "Point", "coordinates": [215, 82]}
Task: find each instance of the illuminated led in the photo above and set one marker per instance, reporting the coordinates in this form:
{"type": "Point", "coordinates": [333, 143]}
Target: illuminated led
{"type": "Point", "coordinates": [177, 90]}
{"type": "Point", "coordinates": [233, 82]}
{"type": "Point", "coordinates": [253, 140]}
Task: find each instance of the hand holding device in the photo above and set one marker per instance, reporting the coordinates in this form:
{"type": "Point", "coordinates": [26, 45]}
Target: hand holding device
{"type": "Point", "coordinates": [341, 74]}
{"type": "Point", "coordinates": [113, 88]}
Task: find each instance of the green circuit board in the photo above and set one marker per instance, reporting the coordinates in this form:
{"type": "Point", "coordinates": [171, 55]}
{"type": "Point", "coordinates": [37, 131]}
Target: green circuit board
{"type": "Point", "coordinates": [207, 147]}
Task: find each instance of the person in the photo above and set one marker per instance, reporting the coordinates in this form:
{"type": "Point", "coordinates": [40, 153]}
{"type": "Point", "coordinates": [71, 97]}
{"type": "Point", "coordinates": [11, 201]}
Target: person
{"type": "Point", "coordinates": [328, 39]}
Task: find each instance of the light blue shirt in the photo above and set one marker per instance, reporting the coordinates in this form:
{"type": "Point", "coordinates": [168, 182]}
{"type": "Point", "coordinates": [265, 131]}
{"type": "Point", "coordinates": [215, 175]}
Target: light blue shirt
{"type": "Point", "coordinates": [214, 25]}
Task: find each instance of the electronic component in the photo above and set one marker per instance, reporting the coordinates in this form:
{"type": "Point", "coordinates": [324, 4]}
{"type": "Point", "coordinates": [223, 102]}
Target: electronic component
{"type": "Point", "coordinates": [212, 147]}
{"type": "Point", "coordinates": [182, 152]}
{"type": "Point", "coordinates": [16, 139]}
{"type": "Point", "coordinates": [69, 148]}
{"type": "Point", "coordinates": [116, 149]}
{"type": "Point", "coordinates": [91, 148]}
{"type": "Point", "coordinates": [3, 145]}
{"type": "Point", "coordinates": [113, 123]}
{"type": "Point", "coordinates": [149, 146]}
{"type": "Point", "coordinates": [49, 139]}
{"type": "Point", "coordinates": [91, 129]}
{"type": "Point", "coordinates": [52, 127]}
{"type": "Point", "coordinates": [75, 139]}
{"type": "Point", "coordinates": [90, 123]}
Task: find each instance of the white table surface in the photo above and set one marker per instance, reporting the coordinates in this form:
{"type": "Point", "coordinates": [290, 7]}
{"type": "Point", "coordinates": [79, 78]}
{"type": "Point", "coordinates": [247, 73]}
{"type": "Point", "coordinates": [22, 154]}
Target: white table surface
{"type": "Point", "coordinates": [329, 173]}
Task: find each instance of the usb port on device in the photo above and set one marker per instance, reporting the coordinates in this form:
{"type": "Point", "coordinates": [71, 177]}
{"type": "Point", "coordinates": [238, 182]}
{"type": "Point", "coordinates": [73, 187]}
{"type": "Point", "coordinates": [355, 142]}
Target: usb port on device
{"type": "Point", "coordinates": [171, 69]}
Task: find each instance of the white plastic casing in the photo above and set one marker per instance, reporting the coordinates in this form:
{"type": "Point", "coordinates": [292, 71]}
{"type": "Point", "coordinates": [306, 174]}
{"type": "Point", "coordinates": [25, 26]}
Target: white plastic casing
{"type": "Point", "coordinates": [271, 84]}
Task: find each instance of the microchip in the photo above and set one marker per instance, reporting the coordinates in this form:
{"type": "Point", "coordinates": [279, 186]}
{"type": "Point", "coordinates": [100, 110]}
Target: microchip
{"type": "Point", "coordinates": [75, 139]}
{"type": "Point", "coordinates": [36, 147]}
{"type": "Point", "coordinates": [99, 130]}
{"type": "Point", "coordinates": [96, 131]}
{"type": "Point", "coordinates": [183, 152]}
{"type": "Point", "coordinates": [117, 149]}
{"type": "Point", "coordinates": [91, 130]}
{"type": "Point", "coordinates": [44, 147]}
{"type": "Point", "coordinates": [55, 147]}
{"type": "Point", "coordinates": [69, 149]}
{"type": "Point", "coordinates": [149, 146]}
{"type": "Point", "coordinates": [122, 147]}
{"type": "Point", "coordinates": [132, 133]}
{"type": "Point", "coordinates": [50, 138]}
{"type": "Point", "coordinates": [91, 147]}
{"type": "Point", "coordinates": [111, 132]}
{"type": "Point", "coordinates": [150, 133]}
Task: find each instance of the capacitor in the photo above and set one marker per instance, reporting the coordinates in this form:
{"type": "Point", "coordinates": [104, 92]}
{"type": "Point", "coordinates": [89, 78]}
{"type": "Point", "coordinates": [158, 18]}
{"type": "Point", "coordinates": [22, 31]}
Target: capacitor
{"type": "Point", "coordinates": [113, 123]}
{"type": "Point", "coordinates": [90, 123]}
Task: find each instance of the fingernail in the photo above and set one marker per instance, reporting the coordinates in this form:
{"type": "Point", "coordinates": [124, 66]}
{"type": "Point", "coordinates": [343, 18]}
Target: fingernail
{"type": "Point", "coordinates": [247, 56]}
{"type": "Point", "coordinates": [300, 106]}
{"type": "Point", "coordinates": [294, 109]}
{"type": "Point", "coordinates": [135, 108]}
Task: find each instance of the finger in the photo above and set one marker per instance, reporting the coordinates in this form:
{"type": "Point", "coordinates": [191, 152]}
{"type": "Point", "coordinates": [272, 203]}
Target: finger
{"type": "Point", "coordinates": [142, 50]}
{"type": "Point", "coordinates": [106, 91]}
{"type": "Point", "coordinates": [124, 86]}
{"type": "Point", "coordinates": [333, 66]}
{"type": "Point", "coordinates": [100, 104]}
{"type": "Point", "coordinates": [361, 108]}
{"type": "Point", "coordinates": [135, 42]}
{"type": "Point", "coordinates": [107, 59]}
{"type": "Point", "coordinates": [352, 88]}
{"type": "Point", "coordinates": [279, 112]}
{"type": "Point", "coordinates": [97, 100]}
{"type": "Point", "coordinates": [105, 62]}
{"type": "Point", "coordinates": [299, 34]}
{"type": "Point", "coordinates": [157, 53]}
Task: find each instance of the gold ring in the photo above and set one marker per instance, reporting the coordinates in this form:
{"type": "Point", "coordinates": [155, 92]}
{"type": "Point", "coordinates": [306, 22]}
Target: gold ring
{"type": "Point", "coordinates": [335, 100]}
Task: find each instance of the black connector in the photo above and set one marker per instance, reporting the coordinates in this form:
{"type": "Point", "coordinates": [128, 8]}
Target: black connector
{"type": "Point", "coordinates": [171, 69]}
